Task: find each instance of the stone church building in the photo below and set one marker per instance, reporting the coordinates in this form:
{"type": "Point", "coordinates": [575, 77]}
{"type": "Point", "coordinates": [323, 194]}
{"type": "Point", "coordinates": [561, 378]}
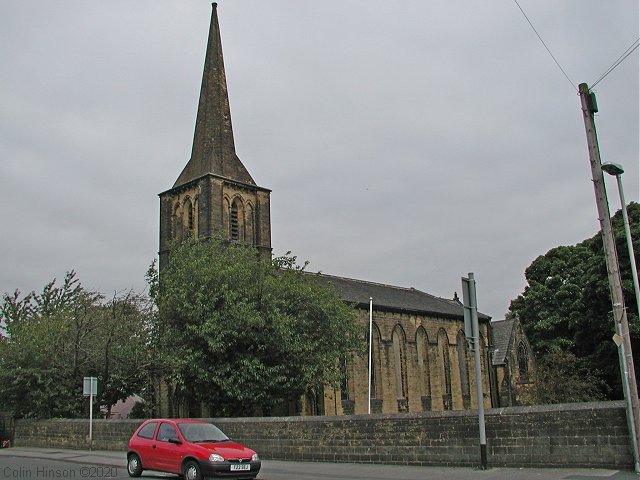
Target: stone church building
{"type": "Point", "coordinates": [420, 357]}
{"type": "Point", "coordinates": [513, 362]}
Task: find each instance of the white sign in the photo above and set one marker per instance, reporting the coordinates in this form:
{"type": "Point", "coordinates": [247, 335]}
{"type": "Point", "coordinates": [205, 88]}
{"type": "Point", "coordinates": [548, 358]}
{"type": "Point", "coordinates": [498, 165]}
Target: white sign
{"type": "Point", "coordinates": [90, 386]}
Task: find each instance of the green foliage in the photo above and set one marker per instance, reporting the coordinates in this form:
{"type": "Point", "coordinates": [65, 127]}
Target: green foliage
{"type": "Point", "coordinates": [141, 410]}
{"type": "Point", "coordinates": [561, 377]}
{"type": "Point", "coordinates": [566, 305]}
{"type": "Point", "coordinates": [53, 339]}
{"type": "Point", "coordinates": [239, 331]}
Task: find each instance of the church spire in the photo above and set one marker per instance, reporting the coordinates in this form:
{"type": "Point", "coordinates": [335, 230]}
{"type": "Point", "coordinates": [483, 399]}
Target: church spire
{"type": "Point", "coordinates": [213, 150]}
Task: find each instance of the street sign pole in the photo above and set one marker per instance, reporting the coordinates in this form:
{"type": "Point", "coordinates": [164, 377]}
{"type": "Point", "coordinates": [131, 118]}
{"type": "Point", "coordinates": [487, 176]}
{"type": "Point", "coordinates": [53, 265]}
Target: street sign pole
{"type": "Point", "coordinates": [90, 420]}
{"type": "Point", "coordinates": [472, 332]}
{"type": "Point", "coordinates": [89, 389]}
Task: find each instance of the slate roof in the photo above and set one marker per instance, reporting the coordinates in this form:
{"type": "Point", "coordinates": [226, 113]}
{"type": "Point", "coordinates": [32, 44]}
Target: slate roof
{"type": "Point", "coordinates": [395, 299]}
{"type": "Point", "coordinates": [501, 331]}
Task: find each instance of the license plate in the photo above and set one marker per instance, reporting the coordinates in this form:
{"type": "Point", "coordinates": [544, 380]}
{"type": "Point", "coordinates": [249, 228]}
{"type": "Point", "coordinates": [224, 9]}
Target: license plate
{"type": "Point", "coordinates": [240, 468]}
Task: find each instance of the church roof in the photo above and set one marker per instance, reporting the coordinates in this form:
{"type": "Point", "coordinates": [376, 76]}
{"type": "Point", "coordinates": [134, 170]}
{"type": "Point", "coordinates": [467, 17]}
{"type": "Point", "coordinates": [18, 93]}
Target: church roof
{"type": "Point", "coordinates": [213, 150]}
{"type": "Point", "coordinates": [394, 298]}
{"type": "Point", "coordinates": [501, 330]}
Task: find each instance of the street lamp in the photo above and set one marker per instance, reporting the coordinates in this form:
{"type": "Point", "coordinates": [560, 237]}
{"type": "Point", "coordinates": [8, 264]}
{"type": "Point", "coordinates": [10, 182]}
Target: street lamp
{"type": "Point", "coordinates": [622, 328]}
{"type": "Point", "coordinates": [616, 170]}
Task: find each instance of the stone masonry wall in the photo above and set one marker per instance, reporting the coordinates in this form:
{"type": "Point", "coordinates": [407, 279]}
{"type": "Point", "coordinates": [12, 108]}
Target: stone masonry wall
{"type": "Point", "coordinates": [578, 435]}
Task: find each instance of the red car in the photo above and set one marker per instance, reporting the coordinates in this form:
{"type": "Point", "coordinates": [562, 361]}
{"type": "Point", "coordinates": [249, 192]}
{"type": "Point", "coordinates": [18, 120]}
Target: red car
{"type": "Point", "coordinates": [192, 448]}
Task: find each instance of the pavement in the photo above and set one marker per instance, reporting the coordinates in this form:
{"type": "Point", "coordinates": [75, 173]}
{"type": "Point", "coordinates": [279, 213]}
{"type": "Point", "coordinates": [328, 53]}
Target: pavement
{"type": "Point", "coordinates": [95, 457]}
{"type": "Point", "coordinates": [273, 469]}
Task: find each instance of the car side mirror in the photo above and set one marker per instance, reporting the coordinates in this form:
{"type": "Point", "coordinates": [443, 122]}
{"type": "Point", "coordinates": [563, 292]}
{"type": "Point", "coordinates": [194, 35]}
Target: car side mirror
{"type": "Point", "coordinates": [175, 441]}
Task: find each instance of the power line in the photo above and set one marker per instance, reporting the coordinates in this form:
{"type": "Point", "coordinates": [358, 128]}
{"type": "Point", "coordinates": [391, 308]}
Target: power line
{"type": "Point", "coordinates": [573, 85]}
{"type": "Point", "coordinates": [620, 59]}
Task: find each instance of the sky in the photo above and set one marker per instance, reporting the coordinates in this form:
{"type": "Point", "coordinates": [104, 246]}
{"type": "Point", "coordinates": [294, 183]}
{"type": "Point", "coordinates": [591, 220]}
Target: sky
{"type": "Point", "coordinates": [405, 142]}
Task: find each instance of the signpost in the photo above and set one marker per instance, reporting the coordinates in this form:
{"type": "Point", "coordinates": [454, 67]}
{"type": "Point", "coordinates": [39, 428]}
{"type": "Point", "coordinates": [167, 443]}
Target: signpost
{"type": "Point", "coordinates": [90, 389]}
{"type": "Point", "coordinates": [472, 332]}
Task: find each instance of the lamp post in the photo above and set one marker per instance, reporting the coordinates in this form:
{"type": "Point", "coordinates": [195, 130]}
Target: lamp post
{"type": "Point", "coordinates": [616, 170]}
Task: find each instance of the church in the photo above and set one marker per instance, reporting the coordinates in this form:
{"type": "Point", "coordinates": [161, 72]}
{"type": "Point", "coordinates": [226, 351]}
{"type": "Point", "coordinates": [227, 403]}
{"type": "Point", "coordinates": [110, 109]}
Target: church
{"type": "Point", "coordinates": [420, 356]}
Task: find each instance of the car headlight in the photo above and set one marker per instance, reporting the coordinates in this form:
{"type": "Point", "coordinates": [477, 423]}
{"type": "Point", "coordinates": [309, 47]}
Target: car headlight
{"type": "Point", "coordinates": [255, 457]}
{"type": "Point", "coordinates": [214, 457]}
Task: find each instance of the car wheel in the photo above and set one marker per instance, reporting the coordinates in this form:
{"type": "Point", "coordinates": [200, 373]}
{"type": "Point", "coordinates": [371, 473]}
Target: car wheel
{"type": "Point", "coordinates": [191, 471]}
{"type": "Point", "coordinates": [134, 465]}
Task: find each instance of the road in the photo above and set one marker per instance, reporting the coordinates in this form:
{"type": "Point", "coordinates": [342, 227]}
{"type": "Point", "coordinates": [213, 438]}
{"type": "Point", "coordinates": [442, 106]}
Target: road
{"type": "Point", "coordinates": [48, 464]}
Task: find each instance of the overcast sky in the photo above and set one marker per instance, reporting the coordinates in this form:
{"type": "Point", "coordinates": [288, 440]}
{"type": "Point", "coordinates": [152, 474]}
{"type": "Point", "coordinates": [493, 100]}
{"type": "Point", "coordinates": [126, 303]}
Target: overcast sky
{"type": "Point", "coordinates": [405, 142]}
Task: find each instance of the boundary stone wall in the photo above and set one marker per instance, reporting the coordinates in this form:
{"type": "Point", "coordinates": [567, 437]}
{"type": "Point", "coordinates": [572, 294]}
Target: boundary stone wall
{"type": "Point", "coordinates": [6, 427]}
{"type": "Point", "coordinates": [569, 435]}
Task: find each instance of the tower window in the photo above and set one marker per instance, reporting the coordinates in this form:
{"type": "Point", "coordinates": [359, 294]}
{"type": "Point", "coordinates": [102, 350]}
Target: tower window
{"type": "Point", "coordinates": [188, 220]}
{"type": "Point", "coordinates": [233, 221]}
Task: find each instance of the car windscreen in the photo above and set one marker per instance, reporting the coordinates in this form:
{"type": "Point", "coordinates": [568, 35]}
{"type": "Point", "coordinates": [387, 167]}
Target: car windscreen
{"type": "Point", "coordinates": [202, 432]}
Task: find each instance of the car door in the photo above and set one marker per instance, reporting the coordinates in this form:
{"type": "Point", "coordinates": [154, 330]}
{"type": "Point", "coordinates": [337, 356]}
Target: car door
{"type": "Point", "coordinates": [144, 445]}
{"type": "Point", "coordinates": [168, 454]}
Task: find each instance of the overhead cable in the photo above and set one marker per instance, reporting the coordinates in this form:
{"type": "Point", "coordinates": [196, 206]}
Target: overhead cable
{"type": "Point", "coordinates": [620, 59]}
{"type": "Point", "coordinates": [573, 85]}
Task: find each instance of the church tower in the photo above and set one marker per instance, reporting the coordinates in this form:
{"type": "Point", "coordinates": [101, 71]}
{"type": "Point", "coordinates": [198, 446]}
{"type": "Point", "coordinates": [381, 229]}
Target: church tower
{"type": "Point", "coordinates": [215, 195]}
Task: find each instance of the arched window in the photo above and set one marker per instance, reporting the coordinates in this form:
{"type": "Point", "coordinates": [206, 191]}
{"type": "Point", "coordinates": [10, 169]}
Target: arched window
{"type": "Point", "coordinates": [461, 347]}
{"type": "Point", "coordinates": [485, 361]}
{"type": "Point", "coordinates": [445, 368]}
{"type": "Point", "coordinates": [400, 361]}
{"type": "Point", "coordinates": [376, 391]}
{"type": "Point", "coordinates": [422, 346]}
{"type": "Point", "coordinates": [311, 403]}
{"type": "Point", "coordinates": [344, 379]}
{"type": "Point", "coordinates": [523, 363]}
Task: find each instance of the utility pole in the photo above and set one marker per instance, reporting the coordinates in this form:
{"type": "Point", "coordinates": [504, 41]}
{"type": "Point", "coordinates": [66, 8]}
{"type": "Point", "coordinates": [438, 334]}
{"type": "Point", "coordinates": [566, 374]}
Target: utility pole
{"type": "Point", "coordinates": [622, 339]}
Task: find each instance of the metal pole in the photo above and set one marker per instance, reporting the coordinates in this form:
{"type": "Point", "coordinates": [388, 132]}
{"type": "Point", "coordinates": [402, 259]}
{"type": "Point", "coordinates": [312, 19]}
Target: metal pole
{"type": "Point", "coordinates": [634, 274]}
{"type": "Point", "coordinates": [476, 353]}
{"type": "Point", "coordinates": [589, 107]}
{"type": "Point", "coordinates": [91, 417]}
{"type": "Point", "coordinates": [370, 336]}
{"type": "Point", "coordinates": [472, 332]}
{"type": "Point", "coordinates": [627, 231]}
{"type": "Point", "coordinates": [633, 429]}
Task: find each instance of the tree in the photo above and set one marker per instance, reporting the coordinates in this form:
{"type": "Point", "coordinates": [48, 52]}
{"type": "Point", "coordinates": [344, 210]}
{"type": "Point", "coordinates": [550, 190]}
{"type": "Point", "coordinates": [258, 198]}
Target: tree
{"type": "Point", "coordinates": [53, 339]}
{"type": "Point", "coordinates": [238, 331]}
{"type": "Point", "coordinates": [566, 305]}
{"type": "Point", "coordinates": [561, 377]}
